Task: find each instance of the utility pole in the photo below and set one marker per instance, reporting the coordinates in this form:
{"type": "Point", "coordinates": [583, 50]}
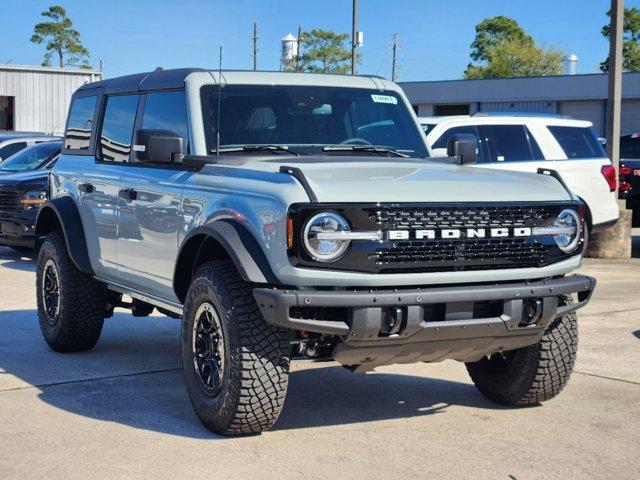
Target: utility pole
{"type": "Point", "coordinates": [354, 35]}
{"type": "Point", "coordinates": [394, 71]}
{"type": "Point", "coordinates": [255, 45]}
{"type": "Point", "coordinates": [615, 83]}
{"type": "Point", "coordinates": [298, 48]}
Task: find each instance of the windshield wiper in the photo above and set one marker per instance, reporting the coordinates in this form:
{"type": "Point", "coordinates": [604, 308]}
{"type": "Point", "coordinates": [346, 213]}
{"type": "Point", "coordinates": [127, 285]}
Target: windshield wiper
{"type": "Point", "coordinates": [258, 148]}
{"type": "Point", "coordinates": [363, 148]}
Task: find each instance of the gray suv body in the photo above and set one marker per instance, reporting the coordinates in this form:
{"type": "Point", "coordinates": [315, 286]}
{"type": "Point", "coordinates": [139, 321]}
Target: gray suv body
{"type": "Point", "coordinates": [297, 215]}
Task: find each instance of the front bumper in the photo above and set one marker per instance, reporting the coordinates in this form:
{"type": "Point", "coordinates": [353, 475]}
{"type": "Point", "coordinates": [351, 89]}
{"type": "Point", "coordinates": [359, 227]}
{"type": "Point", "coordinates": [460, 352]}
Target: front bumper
{"type": "Point", "coordinates": [17, 233]}
{"type": "Point", "coordinates": [461, 332]}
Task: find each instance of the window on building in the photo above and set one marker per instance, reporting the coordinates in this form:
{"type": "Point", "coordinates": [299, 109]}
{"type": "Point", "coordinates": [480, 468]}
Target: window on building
{"type": "Point", "coordinates": [578, 142]}
{"type": "Point", "coordinates": [78, 134]}
{"type": "Point", "coordinates": [117, 128]}
{"type": "Point", "coordinates": [8, 150]}
{"type": "Point", "coordinates": [509, 143]}
{"type": "Point", "coordinates": [456, 109]}
{"type": "Point", "coordinates": [167, 111]}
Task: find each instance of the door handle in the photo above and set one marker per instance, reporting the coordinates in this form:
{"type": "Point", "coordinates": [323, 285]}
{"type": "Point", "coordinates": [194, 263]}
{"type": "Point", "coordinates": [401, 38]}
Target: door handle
{"type": "Point", "coordinates": [86, 188]}
{"type": "Point", "coordinates": [128, 194]}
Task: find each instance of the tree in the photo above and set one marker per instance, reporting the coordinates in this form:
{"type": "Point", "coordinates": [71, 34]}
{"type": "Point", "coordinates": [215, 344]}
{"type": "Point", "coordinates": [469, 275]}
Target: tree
{"type": "Point", "coordinates": [517, 58]}
{"type": "Point", "coordinates": [492, 31]}
{"type": "Point", "coordinates": [324, 51]}
{"type": "Point", "coordinates": [630, 41]}
{"type": "Point", "coordinates": [60, 38]}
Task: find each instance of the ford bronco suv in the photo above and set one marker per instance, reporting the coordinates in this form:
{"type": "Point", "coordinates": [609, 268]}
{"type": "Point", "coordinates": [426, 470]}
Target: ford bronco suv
{"type": "Point", "coordinates": [285, 215]}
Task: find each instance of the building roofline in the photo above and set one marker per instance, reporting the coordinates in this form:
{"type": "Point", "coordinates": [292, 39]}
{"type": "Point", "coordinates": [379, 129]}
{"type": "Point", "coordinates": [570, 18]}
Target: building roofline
{"type": "Point", "coordinates": [34, 68]}
{"type": "Point", "coordinates": [580, 75]}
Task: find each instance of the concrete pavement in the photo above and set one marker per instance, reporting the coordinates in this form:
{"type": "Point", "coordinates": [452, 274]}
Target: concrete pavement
{"type": "Point", "coordinates": [121, 410]}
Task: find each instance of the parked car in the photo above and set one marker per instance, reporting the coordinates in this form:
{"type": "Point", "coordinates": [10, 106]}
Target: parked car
{"type": "Point", "coordinates": [24, 183]}
{"type": "Point", "coordinates": [13, 142]}
{"type": "Point", "coordinates": [529, 142]}
{"type": "Point", "coordinates": [299, 216]}
{"type": "Point", "coordinates": [630, 174]}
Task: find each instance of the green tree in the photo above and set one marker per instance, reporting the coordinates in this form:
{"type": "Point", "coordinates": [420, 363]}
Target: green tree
{"type": "Point", "coordinates": [631, 41]}
{"type": "Point", "coordinates": [324, 51]}
{"type": "Point", "coordinates": [60, 39]}
{"type": "Point", "coordinates": [517, 58]}
{"type": "Point", "coordinates": [492, 31]}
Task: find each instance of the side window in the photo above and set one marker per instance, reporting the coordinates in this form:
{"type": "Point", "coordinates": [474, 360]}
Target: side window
{"type": "Point", "coordinates": [8, 150]}
{"type": "Point", "coordinates": [117, 128]}
{"type": "Point", "coordinates": [510, 143]}
{"type": "Point", "coordinates": [78, 134]}
{"type": "Point", "coordinates": [443, 141]}
{"type": "Point", "coordinates": [167, 111]}
{"type": "Point", "coordinates": [578, 142]}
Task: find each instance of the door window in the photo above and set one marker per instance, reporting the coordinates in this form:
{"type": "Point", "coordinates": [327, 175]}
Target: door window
{"type": "Point", "coordinates": [509, 143]}
{"type": "Point", "coordinates": [167, 111]}
{"type": "Point", "coordinates": [78, 134]}
{"type": "Point", "coordinates": [8, 150]}
{"type": "Point", "coordinates": [117, 128]}
{"type": "Point", "coordinates": [443, 141]}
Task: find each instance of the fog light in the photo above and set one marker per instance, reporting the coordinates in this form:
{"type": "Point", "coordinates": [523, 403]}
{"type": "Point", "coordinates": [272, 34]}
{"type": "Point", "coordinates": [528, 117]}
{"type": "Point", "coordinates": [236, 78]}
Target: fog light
{"type": "Point", "coordinates": [531, 312]}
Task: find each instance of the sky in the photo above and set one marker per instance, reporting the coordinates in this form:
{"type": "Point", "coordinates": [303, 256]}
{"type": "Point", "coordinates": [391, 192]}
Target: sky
{"type": "Point", "coordinates": [138, 35]}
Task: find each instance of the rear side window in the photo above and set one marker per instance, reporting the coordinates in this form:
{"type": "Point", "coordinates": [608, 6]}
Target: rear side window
{"type": "Point", "coordinates": [8, 150]}
{"type": "Point", "coordinates": [117, 128]}
{"type": "Point", "coordinates": [509, 143]}
{"type": "Point", "coordinates": [167, 111]}
{"type": "Point", "coordinates": [578, 142]}
{"type": "Point", "coordinates": [78, 135]}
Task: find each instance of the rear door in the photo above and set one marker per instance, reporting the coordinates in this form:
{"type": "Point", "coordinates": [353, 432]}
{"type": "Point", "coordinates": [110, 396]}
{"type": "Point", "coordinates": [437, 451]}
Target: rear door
{"type": "Point", "coordinates": [150, 210]}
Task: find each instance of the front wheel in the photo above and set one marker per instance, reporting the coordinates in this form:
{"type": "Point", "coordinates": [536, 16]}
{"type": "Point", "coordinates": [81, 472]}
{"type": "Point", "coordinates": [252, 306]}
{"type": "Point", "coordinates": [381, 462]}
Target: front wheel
{"type": "Point", "coordinates": [236, 366]}
{"type": "Point", "coordinates": [533, 374]}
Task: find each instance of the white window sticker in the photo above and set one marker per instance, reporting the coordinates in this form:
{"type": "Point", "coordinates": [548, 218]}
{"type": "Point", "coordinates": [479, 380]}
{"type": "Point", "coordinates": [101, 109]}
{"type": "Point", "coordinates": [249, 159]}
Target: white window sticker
{"type": "Point", "coordinates": [384, 99]}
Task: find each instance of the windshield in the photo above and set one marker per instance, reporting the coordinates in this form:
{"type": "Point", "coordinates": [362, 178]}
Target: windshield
{"type": "Point", "coordinates": [308, 119]}
{"type": "Point", "coordinates": [31, 158]}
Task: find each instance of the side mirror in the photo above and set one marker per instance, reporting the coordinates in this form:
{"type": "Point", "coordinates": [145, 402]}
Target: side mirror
{"type": "Point", "coordinates": [464, 146]}
{"type": "Point", "coordinates": [158, 146]}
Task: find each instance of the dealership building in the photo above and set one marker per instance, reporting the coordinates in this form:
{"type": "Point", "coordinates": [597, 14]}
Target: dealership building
{"type": "Point", "coordinates": [579, 96]}
{"type": "Point", "coordinates": [36, 99]}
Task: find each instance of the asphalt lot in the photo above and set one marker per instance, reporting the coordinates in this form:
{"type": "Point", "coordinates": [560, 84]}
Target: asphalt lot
{"type": "Point", "coordinates": [121, 410]}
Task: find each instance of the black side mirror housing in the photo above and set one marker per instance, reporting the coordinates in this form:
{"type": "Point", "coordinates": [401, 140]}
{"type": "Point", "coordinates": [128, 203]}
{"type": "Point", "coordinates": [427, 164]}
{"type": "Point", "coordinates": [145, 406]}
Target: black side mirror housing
{"type": "Point", "coordinates": [464, 146]}
{"type": "Point", "coordinates": [159, 146]}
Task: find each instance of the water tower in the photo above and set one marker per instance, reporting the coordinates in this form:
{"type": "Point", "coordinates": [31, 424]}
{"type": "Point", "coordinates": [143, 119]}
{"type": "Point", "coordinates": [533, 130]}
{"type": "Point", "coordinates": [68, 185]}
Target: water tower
{"type": "Point", "coordinates": [289, 52]}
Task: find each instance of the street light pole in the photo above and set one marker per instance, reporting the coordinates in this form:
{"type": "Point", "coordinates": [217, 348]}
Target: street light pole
{"type": "Point", "coordinates": [354, 34]}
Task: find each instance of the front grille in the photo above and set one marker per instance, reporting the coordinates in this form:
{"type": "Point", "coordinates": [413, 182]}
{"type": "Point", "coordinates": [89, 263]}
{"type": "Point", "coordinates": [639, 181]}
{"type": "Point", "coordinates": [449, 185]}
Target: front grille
{"type": "Point", "coordinates": [9, 202]}
{"type": "Point", "coordinates": [468, 217]}
{"type": "Point", "coordinates": [463, 253]}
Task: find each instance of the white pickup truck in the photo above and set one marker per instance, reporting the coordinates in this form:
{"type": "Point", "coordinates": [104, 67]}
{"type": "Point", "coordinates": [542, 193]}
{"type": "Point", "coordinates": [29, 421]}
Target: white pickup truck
{"type": "Point", "coordinates": [529, 142]}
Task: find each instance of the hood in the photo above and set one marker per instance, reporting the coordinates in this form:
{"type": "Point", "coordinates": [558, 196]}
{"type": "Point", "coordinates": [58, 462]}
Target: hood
{"type": "Point", "coordinates": [34, 178]}
{"type": "Point", "coordinates": [361, 179]}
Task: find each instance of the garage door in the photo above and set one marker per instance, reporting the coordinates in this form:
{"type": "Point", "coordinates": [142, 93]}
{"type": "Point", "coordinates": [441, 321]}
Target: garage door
{"type": "Point", "coordinates": [630, 121]}
{"type": "Point", "coordinates": [585, 110]}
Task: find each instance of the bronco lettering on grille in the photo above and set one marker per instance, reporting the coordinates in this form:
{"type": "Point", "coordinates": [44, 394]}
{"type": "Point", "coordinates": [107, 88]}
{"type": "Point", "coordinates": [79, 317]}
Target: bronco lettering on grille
{"type": "Point", "coordinates": [453, 233]}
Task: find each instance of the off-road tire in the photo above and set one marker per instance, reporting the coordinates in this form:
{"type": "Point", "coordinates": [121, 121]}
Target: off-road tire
{"type": "Point", "coordinates": [533, 374]}
{"type": "Point", "coordinates": [82, 304]}
{"type": "Point", "coordinates": [255, 371]}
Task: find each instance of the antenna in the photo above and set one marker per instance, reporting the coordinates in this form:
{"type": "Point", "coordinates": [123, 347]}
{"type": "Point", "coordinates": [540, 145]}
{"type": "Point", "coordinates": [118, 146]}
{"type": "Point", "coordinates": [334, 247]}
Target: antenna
{"type": "Point", "coordinates": [219, 102]}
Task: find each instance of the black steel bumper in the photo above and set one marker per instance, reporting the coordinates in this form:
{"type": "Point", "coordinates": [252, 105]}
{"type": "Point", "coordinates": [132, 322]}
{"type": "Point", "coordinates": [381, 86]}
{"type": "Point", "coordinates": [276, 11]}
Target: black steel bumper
{"type": "Point", "coordinates": [17, 233]}
{"type": "Point", "coordinates": [460, 334]}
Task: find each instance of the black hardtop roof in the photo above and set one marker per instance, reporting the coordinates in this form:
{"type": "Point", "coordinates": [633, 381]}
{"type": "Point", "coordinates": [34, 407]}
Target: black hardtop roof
{"type": "Point", "coordinates": [156, 80]}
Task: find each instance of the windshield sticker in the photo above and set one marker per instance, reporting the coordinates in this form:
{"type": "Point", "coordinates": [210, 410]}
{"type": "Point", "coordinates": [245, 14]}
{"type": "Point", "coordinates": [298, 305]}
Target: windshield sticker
{"type": "Point", "coordinates": [384, 99]}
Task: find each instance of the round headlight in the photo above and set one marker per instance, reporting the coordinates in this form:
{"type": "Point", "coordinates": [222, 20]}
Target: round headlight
{"type": "Point", "coordinates": [569, 219]}
{"type": "Point", "coordinates": [316, 231]}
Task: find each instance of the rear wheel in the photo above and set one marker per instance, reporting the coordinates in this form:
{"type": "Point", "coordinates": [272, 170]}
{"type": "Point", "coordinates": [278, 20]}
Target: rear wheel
{"type": "Point", "coordinates": [236, 366]}
{"type": "Point", "coordinates": [71, 304]}
{"type": "Point", "coordinates": [532, 374]}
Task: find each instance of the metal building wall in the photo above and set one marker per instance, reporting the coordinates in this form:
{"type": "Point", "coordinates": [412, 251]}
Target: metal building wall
{"type": "Point", "coordinates": [42, 94]}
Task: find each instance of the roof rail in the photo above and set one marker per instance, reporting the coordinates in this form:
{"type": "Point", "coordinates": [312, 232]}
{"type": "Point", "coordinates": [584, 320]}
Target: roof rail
{"type": "Point", "coordinates": [522, 114]}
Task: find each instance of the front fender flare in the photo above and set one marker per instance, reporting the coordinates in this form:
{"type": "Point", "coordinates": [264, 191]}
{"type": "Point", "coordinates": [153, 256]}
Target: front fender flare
{"type": "Point", "coordinates": [63, 211]}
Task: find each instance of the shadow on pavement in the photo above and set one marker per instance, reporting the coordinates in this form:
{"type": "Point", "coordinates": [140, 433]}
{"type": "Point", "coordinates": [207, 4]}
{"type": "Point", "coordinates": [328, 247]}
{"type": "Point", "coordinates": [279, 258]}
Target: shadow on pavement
{"type": "Point", "coordinates": [635, 246]}
{"type": "Point", "coordinates": [133, 377]}
{"type": "Point", "coordinates": [637, 334]}
{"type": "Point", "coordinates": [17, 260]}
